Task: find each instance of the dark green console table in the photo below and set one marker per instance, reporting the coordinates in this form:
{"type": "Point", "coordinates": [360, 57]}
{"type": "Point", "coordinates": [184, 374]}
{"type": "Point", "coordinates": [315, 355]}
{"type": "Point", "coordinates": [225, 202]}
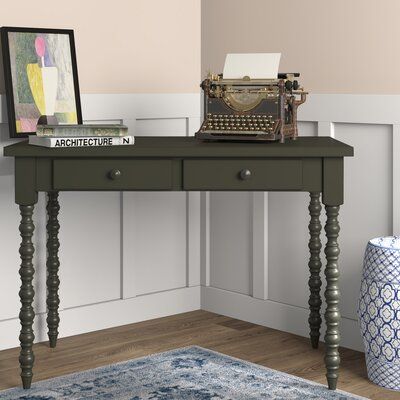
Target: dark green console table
{"type": "Point", "coordinates": [314, 165]}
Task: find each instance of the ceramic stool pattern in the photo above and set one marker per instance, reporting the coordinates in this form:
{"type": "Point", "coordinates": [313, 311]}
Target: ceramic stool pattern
{"type": "Point", "coordinates": [379, 311]}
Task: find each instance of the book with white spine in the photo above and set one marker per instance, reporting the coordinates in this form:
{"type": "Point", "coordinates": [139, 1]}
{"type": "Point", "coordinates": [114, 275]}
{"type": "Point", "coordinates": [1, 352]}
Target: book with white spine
{"type": "Point", "coordinates": [87, 141]}
{"type": "Point", "coordinates": [76, 130]}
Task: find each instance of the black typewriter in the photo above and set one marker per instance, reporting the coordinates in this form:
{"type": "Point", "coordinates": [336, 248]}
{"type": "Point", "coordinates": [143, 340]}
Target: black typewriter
{"type": "Point", "coordinates": [251, 109]}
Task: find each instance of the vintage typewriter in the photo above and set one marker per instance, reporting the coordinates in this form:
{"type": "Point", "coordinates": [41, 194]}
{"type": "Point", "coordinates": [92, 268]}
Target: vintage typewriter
{"type": "Point", "coordinates": [251, 109]}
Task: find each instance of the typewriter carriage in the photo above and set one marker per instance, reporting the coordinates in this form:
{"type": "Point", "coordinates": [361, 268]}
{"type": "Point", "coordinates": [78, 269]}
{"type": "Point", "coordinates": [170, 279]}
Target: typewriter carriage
{"type": "Point", "coordinates": [251, 109]}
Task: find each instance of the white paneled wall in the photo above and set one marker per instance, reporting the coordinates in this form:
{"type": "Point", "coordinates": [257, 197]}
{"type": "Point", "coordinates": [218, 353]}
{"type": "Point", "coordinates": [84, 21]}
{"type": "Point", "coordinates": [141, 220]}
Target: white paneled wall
{"type": "Point", "coordinates": [125, 257]}
{"type": "Point", "coordinates": [130, 256]}
{"type": "Point", "coordinates": [277, 272]}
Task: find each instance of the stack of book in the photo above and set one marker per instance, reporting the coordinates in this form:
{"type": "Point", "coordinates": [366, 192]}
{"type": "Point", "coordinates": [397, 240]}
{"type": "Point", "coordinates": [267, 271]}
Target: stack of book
{"type": "Point", "coordinates": [81, 135]}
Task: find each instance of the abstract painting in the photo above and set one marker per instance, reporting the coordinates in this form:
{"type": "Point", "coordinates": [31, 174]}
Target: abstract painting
{"type": "Point", "coordinates": [41, 78]}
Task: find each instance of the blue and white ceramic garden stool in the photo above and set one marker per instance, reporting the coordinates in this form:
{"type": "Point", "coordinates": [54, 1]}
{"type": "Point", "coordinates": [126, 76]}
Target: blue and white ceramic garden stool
{"type": "Point", "coordinates": [379, 311]}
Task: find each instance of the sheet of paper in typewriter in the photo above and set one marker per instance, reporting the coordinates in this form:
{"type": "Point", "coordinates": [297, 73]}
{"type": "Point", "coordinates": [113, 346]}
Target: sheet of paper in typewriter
{"type": "Point", "coordinates": [254, 65]}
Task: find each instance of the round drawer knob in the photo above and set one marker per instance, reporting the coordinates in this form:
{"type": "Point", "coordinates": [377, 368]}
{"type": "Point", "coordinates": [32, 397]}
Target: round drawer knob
{"type": "Point", "coordinates": [114, 174]}
{"type": "Point", "coordinates": [245, 174]}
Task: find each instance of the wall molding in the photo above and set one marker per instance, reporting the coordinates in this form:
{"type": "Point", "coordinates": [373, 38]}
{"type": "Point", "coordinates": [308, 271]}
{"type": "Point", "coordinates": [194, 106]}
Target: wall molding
{"type": "Point", "coordinates": [260, 245]}
{"type": "Point", "coordinates": [343, 108]}
{"type": "Point", "coordinates": [205, 238]}
{"type": "Point", "coordinates": [193, 235]}
{"type": "Point", "coordinates": [396, 178]}
{"type": "Point", "coordinates": [351, 108]}
{"type": "Point", "coordinates": [132, 106]}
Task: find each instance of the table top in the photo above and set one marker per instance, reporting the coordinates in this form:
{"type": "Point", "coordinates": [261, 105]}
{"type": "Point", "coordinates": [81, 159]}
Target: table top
{"type": "Point", "coordinates": [190, 147]}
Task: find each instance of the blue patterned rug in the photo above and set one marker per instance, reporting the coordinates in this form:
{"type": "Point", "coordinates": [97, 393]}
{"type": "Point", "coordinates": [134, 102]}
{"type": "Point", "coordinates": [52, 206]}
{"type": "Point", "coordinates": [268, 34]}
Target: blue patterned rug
{"type": "Point", "coordinates": [187, 373]}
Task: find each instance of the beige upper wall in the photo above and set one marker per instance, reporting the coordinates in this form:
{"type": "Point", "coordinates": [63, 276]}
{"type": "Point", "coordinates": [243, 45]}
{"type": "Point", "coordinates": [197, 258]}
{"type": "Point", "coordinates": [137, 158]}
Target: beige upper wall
{"type": "Point", "coordinates": [123, 46]}
{"type": "Point", "coordinates": [338, 46]}
{"type": "Point", "coordinates": [128, 46]}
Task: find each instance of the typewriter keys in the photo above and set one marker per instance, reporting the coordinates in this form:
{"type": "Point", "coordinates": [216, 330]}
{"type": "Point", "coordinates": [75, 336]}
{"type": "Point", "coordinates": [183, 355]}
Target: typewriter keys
{"type": "Point", "coordinates": [246, 124]}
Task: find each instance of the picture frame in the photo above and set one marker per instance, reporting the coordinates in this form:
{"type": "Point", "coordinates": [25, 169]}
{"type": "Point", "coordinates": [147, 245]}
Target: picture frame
{"type": "Point", "coordinates": [41, 78]}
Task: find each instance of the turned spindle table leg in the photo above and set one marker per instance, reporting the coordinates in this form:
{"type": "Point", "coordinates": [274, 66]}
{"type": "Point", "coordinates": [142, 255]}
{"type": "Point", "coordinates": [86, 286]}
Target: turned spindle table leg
{"type": "Point", "coordinates": [52, 264]}
{"type": "Point", "coordinates": [314, 265]}
{"type": "Point", "coordinates": [26, 294]}
{"type": "Point", "coordinates": [332, 296]}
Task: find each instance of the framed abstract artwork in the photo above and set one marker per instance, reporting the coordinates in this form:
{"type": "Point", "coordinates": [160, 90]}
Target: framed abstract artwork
{"type": "Point", "coordinates": [41, 78]}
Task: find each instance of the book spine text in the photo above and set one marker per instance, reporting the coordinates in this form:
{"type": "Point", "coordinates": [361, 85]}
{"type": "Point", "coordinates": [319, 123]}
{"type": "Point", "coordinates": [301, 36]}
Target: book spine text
{"type": "Point", "coordinates": [90, 141]}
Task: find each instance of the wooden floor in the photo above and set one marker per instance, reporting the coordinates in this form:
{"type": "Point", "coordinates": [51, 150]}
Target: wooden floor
{"type": "Point", "coordinates": [274, 349]}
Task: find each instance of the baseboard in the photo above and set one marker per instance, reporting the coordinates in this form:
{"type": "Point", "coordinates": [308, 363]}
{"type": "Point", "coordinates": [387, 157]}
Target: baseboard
{"type": "Point", "coordinates": [109, 314]}
{"type": "Point", "coordinates": [283, 317]}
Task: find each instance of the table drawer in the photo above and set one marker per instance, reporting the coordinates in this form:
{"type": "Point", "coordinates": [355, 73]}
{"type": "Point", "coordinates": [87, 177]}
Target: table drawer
{"type": "Point", "coordinates": [243, 174]}
{"type": "Point", "coordinates": [110, 174]}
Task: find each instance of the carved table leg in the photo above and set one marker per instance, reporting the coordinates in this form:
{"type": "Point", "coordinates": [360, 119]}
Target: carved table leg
{"type": "Point", "coordinates": [332, 296]}
{"type": "Point", "coordinates": [314, 265]}
{"type": "Point", "coordinates": [26, 295]}
{"type": "Point", "coordinates": [53, 263]}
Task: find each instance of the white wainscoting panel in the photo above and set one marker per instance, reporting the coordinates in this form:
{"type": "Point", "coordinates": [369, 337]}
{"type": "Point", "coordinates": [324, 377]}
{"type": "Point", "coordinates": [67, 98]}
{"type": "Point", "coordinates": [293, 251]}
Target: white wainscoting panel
{"type": "Point", "coordinates": [154, 244]}
{"type": "Point", "coordinates": [367, 209]}
{"type": "Point", "coordinates": [288, 248]}
{"type": "Point", "coordinates": [124, 257]}
{"type": "Point", "coordinates": [161, 127]}
{"type": "Point", "coordinates": [231, 241]}
{"type": "Point", "coordinates": [89, 247]}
